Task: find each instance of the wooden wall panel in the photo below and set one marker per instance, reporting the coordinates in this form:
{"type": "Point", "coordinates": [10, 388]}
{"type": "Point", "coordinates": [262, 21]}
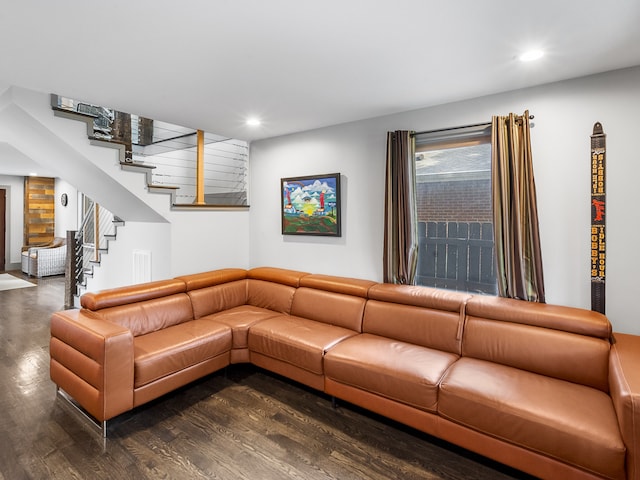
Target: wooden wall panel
{"type": "Point", "coordinates": [39, 210]}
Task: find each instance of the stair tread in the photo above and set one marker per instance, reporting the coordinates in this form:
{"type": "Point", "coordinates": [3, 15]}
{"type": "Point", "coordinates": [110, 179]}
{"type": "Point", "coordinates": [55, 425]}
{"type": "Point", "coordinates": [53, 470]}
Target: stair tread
{"type": "Point", "coordinates": [137, 165]}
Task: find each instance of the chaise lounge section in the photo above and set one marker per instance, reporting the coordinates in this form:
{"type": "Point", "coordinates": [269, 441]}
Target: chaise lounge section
{"type": "Point", "coordinates": [546, 389]}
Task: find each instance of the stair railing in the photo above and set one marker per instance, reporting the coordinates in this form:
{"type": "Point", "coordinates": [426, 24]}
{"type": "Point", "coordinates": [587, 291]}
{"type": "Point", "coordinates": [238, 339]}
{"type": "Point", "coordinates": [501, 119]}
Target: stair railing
{"type": "Point", "coordinates": [80, 246]}
{"type": "Point", "coordinates": [84, 245]}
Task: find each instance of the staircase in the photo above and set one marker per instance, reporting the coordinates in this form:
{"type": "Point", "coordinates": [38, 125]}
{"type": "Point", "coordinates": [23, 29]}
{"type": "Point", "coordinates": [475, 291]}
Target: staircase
{"type": "Point", "coordinates": [137, 139]}
{"type": "Point", "coordinates": [180, 238]}
{"type": "Point", "coordinates": [171, 147]}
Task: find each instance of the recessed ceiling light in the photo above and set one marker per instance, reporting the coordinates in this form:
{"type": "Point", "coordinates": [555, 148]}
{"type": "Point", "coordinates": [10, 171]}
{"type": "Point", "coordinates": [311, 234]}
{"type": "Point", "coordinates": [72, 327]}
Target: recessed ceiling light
{"type": "Point", "coordinates": [33, 174]}
{"type": "Point", "coordinates": [253, 122]}
{"type": "Point", "coordinates": [531, 55]}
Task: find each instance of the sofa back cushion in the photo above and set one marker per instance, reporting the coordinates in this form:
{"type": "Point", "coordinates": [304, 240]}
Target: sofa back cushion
{"type": "Point", "coordinates": [144, 307]}
{"type": "Point", "coordinates": [277, 275]}
{"type": "Point", "coordinates": [95, 301]}
{"type": "Point", "coordinates": [423, 316]}
{"type": "Point", "coordinates": [334, 300]}
{"type": "Point", "coordinates": [150, 315]}
{"type": "Point", "coordinates": [561, 342]}
{"type": "Point", "coordinates": [329, 307]}
{"type": "Point", "coordinates": [348, 286]}
{"type": "Point", "coordinates": [196, 281]}
{"type": "Point", "coordinates": [264, 287]}
{"type": "Point", "coordinates": [270, 295]}
{"type": "Point", "coordinates": [426, 327]}
{"type": "Point", "coordinates": [217, 298]}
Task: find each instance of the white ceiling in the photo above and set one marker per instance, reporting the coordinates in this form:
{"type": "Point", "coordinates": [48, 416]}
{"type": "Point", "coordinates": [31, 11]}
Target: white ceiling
{"type": "Point", "coordinates": [302, 64]}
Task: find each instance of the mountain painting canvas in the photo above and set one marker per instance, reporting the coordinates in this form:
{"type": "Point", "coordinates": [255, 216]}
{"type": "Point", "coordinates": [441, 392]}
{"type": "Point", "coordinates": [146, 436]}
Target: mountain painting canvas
{"type": "Point", "coordinates": [311, 205]}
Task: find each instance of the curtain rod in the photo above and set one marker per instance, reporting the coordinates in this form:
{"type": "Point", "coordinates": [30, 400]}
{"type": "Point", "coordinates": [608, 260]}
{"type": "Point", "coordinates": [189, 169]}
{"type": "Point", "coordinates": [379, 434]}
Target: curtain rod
{"type": "Point", "coordinates": [484, 124]}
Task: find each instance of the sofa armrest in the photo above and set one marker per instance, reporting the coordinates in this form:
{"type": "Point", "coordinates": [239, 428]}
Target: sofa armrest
{"type": "Point", "coordinates": [92, 361]}
{"type": "Point", "coordinates": [624, 385]}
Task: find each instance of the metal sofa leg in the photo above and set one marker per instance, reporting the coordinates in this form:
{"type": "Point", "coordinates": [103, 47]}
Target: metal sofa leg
{"type": "Point", "coordinates": [100, 426]}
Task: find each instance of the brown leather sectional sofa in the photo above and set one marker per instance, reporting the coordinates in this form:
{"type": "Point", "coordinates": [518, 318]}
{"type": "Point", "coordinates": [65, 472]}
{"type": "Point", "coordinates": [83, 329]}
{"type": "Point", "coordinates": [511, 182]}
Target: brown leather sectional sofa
{"type": "Point", "coordinates": [546, 389]}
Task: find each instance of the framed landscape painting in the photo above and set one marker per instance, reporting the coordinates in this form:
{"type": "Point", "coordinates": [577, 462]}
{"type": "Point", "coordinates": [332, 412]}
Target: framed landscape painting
{"type": "Point", "coordinates": [311, 205]}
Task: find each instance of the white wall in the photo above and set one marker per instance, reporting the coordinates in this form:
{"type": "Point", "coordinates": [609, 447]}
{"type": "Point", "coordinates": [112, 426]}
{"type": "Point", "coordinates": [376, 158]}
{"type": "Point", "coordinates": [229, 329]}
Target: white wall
{"type": "Point", "coordinates": [14, 219]}
{"type": "Point", "coordinates": [116, 266]}
{"type": "Point", "coordinates": [353, 151]}
{"type": "Point", "coordinates": [192, 242]}
{"type": "Point", "coordinates": [208, 240]}
{"type": "Point", "coordinates": [564, 116]}
{"type": "Point", "coordinates": [66, 216]}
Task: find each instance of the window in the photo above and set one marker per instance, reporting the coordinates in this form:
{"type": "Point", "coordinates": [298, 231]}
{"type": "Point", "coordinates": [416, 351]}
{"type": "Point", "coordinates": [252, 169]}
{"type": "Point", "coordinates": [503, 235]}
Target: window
{"type": "Point", "coordinates": [454, 210]}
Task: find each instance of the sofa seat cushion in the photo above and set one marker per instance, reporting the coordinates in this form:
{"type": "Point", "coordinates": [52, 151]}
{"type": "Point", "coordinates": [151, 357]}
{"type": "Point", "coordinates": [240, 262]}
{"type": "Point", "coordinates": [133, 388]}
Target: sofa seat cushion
{"type": "Point", "coordinates": [175, 348]}
{"type": "Point", "coordinates": [396, 370]}
{"type": "Point", "coordinates": [295, 340]}
{"type": "Point", "coordinates": [567, 421]}
{"type": "Point", "coordinates": [240, 319]}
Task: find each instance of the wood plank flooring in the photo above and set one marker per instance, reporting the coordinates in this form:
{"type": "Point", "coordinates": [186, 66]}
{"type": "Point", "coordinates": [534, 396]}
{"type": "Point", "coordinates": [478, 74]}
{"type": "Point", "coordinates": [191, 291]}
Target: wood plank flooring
{"type": "Point", "coordinates": [241, 423]}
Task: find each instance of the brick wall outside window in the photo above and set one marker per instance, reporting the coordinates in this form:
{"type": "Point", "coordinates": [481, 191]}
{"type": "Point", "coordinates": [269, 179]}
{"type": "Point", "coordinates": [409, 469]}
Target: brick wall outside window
{"type": "Point", "coordinates": [461, 201]}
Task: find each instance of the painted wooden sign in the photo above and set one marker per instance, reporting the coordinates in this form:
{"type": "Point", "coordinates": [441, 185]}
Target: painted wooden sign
{"type": "Point", "coordinates": [598, 218]}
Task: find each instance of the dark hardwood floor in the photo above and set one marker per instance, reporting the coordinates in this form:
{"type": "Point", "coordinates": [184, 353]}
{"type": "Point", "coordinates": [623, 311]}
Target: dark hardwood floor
{"type": "Point", "coordinates": [241, 423]}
